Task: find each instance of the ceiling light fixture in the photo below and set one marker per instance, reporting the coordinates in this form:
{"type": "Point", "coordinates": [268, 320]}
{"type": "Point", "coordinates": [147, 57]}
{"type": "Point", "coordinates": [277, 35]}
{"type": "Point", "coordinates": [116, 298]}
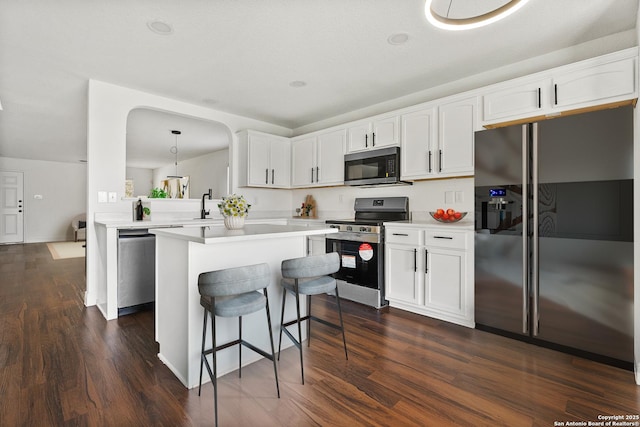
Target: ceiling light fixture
{"type": "Point", "coordinates": [398, 38]}
{"type": "Point", "coordinates": [174, 150]}
{"type": "Point", "coordinates": [298, 83]}
{"type": "Point", "coordinates": [160, 27]}
{"type": "Point", "coordinates": [439, 16]}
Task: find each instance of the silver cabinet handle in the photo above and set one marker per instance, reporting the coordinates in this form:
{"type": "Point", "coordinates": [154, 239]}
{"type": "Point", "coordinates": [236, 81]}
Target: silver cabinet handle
{"type": "Point", "coordinates": [317, 174]}
{"type": "Point", "coordinates": [429, 161]}
{"type": "Point", "coordinates": [415, 260]}
{"type": "Point", "coordinates": [366, 140]}
{"type": "Point", "coordinates": [400, 234]}
{"type": "Point", "coordinates": [272, 173]}
{"type": "Point", "coordinates": [266, 176]}
{"type": "Point", "coordinates": [373, 139]}
{"type": "Point", "coordinates": [440, 161]}
{"type": "Point", "coordinates": [312, 175]}
{"type": "Point", "coordinates": [443, 237]}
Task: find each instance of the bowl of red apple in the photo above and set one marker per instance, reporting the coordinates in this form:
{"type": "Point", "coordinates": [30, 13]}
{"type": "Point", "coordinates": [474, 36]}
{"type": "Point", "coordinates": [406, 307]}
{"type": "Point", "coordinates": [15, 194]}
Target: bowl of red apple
{"type": "Point", "coordinates": [447, 215]}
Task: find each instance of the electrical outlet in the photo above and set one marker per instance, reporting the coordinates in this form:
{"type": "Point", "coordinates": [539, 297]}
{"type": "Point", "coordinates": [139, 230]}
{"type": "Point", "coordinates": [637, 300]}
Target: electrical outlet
{"type": "Point", "coordinates": [448, 197]}
{"type": "Point", "coordinates": [459, 197]}
{"type": "Point", "coordinates": [37, 196]}
{"type": "Point", "coordinates": [113, 197]}
{"type": "Point", "coordinates": [102, 197]}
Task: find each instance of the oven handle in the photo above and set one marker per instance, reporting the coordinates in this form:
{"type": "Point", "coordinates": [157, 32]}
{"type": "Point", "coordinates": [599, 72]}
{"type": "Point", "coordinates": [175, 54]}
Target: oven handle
{"type": "Point", "coordinates": [354, 237]}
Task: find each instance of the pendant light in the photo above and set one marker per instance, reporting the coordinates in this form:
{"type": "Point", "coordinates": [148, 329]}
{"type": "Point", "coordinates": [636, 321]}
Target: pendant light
{"type": "Point", "coordinates": [480, 14]}
{"type": "Point", "coordinates": [174, 150]}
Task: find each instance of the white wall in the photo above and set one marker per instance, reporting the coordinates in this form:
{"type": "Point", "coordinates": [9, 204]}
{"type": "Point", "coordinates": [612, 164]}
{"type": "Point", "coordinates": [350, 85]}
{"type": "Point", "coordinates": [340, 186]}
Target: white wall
{"type": "Point", "coordinates": [63, 187]}
{"type": "Point", "coordinates": [204, 172]}
{"type": "Point", "coordinates": [142, 180]}
{"type": "Point", "coordinates": [424, 196]}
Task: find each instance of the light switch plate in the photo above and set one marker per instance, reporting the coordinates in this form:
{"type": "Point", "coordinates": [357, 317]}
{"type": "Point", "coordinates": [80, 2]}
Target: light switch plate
{"type": "Point", "coordinates": [113, 197]}
{"type": "Point", "coordinates": [102, 197]}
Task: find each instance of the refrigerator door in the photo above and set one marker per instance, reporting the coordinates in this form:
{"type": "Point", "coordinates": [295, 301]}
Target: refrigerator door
{"type": "Point", "coordinates": [501, 251]}
{"type": "Point", "coordinates": [585, 246]}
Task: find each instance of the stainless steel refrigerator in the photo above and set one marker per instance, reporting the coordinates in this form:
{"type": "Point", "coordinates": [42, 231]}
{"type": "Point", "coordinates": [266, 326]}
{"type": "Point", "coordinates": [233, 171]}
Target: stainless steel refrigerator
{"type": "Point", "coordinates": [554, 233]}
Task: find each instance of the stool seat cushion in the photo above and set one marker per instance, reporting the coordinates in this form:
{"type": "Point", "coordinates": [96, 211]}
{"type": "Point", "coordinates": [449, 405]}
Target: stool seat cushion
{"type": "Point", "coordinates": [311, 286]}
{"type": "Point", "coordinates": [236, 305]}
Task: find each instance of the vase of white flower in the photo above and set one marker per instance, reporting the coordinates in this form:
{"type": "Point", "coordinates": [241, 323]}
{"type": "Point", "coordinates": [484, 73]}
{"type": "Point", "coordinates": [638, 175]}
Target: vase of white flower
{"type": "Point", "coordinates": [234, 209]}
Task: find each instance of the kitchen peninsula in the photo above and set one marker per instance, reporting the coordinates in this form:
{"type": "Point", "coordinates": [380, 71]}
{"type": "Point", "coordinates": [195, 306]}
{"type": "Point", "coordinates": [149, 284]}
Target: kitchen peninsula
{"type": "Point", "coordinates": [182, 254]}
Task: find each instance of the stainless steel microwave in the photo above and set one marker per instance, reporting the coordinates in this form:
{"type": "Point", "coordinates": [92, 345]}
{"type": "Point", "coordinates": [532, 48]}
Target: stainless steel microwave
{"type": "Point", "coordinates": [373, 167]}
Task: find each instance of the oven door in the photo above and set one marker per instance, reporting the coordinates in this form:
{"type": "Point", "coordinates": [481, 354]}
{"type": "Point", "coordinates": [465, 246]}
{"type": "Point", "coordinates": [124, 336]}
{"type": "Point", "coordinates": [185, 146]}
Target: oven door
{"type": "Point", "coordinates": [361, 262]}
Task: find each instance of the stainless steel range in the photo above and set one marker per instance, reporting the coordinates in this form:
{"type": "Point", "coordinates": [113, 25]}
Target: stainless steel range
{"type": "Point", "coordinates": [360, 244]}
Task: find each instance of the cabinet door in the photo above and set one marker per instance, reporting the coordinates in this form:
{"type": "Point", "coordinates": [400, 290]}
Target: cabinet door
{"type": "Point", "coordinates": [456, 133]}
{"type": "Point", "coordinates": [303, 162]}
{"type": "Point", "coordinates": [280, 162]}
{"type": "Point", "coordinates": [524, 100]}
{"type": "Point", "coordinates": [444, 279]}
{"type": "Point", "coordinates": [385, 133]}
{"type": "Point", "coordinates": [330, 158]}
{"type": "Point", "coordinates": [594, 84]}
{"type": "Point", "coordinates": [358, 137]}
{"type": "Point", "coordinates": [259, 153]}
{"type": "Point", "coordinates": [401, 273]}
{"type": "Point", "coordinates": [418, 144]}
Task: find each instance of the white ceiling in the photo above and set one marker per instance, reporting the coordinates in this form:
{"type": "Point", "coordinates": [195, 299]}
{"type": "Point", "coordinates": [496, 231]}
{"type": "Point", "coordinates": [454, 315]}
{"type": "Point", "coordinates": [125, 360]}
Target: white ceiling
{"type": "Point", "coordinates": [239, 56]}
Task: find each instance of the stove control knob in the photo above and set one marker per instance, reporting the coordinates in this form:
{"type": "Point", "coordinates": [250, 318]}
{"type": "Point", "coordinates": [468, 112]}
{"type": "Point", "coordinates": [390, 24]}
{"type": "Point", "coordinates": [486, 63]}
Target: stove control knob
{"type": "Point", "coordinates": [364, 229]}
{"type": "Point", "coordinates": [348, 228]}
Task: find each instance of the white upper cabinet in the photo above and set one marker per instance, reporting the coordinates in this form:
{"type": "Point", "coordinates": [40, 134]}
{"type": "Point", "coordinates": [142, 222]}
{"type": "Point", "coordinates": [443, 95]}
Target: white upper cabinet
{"type": "Point", "coordinates": [303, 161]}
{"type": "Point", "coordinates": [265, 160]}
{"type": "Point", "coordinates": [330, 158]}
{"type": "Point", "coordinates": [519, 100]}
{"type": "Point", "coordinates": [605, 80]}
{"type": "Point", "coordinates": [594, 83]}
{"type": "Point", "coordinates": [456, 130]}
{"type": "Point", "coordinates": [319, 160]}
{"type": "Point", "coordinates": [375, 133]}
{"type": "Point", "coordinates": [419, 144]}
{"type": "Point", "coordinates": [438, 141]}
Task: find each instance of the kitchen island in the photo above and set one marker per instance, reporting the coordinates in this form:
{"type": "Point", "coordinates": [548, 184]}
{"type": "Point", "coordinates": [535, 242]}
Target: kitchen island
{"type": "Point", "coordinates": [182, 254]}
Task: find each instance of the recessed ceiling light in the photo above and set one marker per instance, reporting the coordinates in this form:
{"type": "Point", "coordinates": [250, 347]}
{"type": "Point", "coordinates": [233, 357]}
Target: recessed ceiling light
{"type": "Point", "coordinates": [398, 38]}
{"type": "Point", "coordinates": [160, 27]}
{"type": "Point", "coordinates": [209, 101]}
{"type": "Point", "coordinates": [298, 83]}
{"type": "Point", "coordinates": [467, 14]}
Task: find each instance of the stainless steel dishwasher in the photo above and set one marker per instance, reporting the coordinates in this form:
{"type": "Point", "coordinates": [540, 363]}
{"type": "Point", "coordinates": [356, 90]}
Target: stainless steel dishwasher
{"type": "Point", "coordinates": [136, 270]}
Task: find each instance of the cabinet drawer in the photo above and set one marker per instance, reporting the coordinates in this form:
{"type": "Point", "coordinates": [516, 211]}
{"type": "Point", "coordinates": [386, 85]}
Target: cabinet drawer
{"type": "Point", "coordinates": [446, 239]}
{"type": "Point", "coordinates": [405, 236]}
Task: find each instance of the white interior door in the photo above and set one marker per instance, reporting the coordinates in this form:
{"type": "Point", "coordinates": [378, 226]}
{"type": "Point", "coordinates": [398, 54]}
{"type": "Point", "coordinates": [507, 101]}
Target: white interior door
{"type": "Point", "coordinates": [11, 207]}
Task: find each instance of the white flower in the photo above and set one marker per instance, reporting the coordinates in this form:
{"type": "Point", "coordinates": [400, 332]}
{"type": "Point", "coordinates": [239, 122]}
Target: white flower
{"type": "Point", "coordinates": [234, 205]}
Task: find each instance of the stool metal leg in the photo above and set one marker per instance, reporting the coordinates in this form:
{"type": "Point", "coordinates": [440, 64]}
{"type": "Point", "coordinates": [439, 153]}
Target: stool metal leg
{"type": "Point", "coordinates": [299, 329]}
{"type": "Point", "coordinates": [202, 356]}
{"type": "Point", "coordinates": [273, 353]}
{"type": "Point", "coordinates": [240, 347]}
{"type": "Point", "coordinates": [344, 340]}
{"type": "Point", "coordinates": [284, 298]}
{"type": "Point", "coordinates": [215, 365]}
{"type": "Point", "coordinates": [309, 321]}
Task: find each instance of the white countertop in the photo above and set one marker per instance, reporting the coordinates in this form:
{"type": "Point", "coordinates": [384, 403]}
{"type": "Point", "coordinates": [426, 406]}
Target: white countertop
{"type": "Point", "coordinates": [174, 222]}
{"type": "Point", "coordinates": [464, 224]}
{"type": "Point", "coordinates": [219, 234]}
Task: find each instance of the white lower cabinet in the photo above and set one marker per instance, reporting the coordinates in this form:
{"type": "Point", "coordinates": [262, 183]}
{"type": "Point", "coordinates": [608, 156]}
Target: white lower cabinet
{"type": "Point", "coordinates": [429, 271]}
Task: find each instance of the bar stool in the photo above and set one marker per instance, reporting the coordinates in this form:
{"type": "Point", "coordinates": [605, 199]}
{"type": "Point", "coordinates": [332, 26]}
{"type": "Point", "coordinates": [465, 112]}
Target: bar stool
{"type": "Point", "coordinates": [309, 276]}
{"type": "Point", "coordinates": [233, 292]}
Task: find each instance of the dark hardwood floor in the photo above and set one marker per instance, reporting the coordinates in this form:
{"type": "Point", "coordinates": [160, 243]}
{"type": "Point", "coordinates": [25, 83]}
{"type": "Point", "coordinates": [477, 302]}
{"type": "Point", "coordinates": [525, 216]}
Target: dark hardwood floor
{"type": "Point", "coordinates": [62, 364]}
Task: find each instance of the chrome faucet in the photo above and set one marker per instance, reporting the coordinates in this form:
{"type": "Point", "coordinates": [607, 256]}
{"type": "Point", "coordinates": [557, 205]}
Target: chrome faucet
{"type": "Point", "coordinates": [203, 213]}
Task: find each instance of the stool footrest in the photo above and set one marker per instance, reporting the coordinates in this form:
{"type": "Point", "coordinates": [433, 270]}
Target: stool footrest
{"type": "Point", "coordinates": [242, 342]}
